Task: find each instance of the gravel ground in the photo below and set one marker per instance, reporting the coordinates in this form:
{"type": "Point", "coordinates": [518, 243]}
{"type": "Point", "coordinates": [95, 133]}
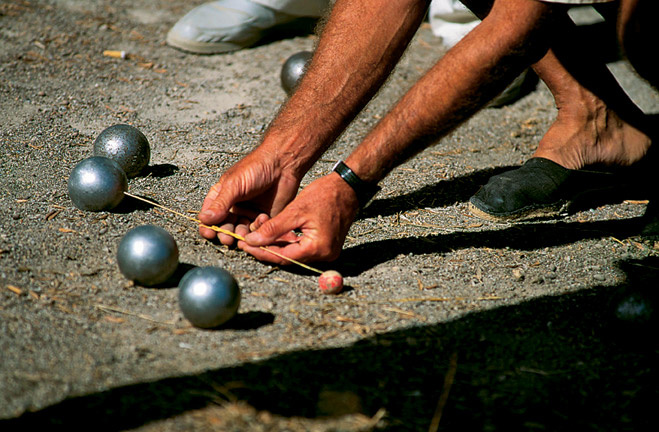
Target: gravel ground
{"type": "Point", "coordinates": [447, 318]}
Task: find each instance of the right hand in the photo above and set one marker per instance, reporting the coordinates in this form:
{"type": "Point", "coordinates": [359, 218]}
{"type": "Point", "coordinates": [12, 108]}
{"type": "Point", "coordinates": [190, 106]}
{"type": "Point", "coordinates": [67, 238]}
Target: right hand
{"type": "Point", "coordinates": [257, 184]}
{"type": "Point", "coordinates": [313, 227]}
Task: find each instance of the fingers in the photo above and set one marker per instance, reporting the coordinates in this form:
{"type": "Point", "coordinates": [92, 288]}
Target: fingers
{"type": "Point", "coordinates": [304, 250]}
{"type": "Point", "coordinates": [242, 227]}
{"type": "Point", "coordinates": [248, 189]}
{"type": "Point", "coordinates": [287, 237]}
{"type": "Point", "coordinates": [228, 225]}
{"type": "Point", "coordinates": [269, 231]}
{"type": "Point", "coordinates": [323, 223]}
{"type": "Point", "coordinates": [277, 235]}
{"type": "Point", "coordinates": [260, 220]}
{"type": "Point", "coordinates": [239, 221]}
{"type": "Point", "coordinates": [207, 233]}
{"type": "Point", "coordinates": [216, 206]}
{"type": "Point", "coordinates": [226, 239]}
{"type": "Point", "coordinates": [266, 254]}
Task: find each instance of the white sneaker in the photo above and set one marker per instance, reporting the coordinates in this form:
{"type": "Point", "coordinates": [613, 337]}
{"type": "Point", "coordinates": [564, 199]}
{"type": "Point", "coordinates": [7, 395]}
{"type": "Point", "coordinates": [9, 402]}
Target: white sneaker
{"type": "Point", "coordinates": [224, 25]}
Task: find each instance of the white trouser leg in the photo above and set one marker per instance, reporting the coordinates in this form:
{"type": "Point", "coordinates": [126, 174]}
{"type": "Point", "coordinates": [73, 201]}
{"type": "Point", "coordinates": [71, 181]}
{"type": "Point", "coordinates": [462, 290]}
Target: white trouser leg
{"type": "Point", "coordinates": [312, 8]}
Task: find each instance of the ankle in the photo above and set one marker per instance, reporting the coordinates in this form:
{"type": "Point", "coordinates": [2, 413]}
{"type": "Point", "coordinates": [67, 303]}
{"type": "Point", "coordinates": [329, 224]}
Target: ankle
{"type": "Point", "coordinates": [588, 136]}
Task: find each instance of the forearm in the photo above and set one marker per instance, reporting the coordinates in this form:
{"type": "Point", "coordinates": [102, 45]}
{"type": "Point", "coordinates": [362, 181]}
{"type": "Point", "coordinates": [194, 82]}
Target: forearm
{"type": "Point", "coordinates": [361, 43]}
{"type": "Point", "coordinates": [463, 81]}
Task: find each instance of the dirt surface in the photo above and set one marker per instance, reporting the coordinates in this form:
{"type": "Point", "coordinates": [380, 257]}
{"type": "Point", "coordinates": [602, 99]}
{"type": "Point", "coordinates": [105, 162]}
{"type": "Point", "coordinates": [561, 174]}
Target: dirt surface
{"type": "Point", "coordinates": [495, 327]}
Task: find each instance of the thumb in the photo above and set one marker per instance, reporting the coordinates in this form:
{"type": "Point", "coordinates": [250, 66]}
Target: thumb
{"type": "Point", "coordinates": [216, 205]}
{"type": "Point", "coordinates": [272, 230]}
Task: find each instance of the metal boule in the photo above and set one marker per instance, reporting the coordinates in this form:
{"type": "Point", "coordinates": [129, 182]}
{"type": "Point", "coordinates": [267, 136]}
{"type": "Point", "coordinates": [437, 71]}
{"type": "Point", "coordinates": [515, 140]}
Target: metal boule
{"type": "Point", "coordinates": [208, 296]}
{"type": "Point", "coordinates": [97, 184]}
{"type": "Point", "coordinates": [147, 255]}
{"type": "Point", "coordinates": [293, 70]}
{"type": "Point", "coordinates": [125, 145]}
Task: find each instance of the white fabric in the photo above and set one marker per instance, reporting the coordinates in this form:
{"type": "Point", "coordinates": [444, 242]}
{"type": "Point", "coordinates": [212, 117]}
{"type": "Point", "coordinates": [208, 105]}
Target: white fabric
{"type": "Point", "coordinates": [450, 20]}
{"type": "Point", "coordinates": [447, 10]}
{"type": "Point", "coordinates": [312, 8]}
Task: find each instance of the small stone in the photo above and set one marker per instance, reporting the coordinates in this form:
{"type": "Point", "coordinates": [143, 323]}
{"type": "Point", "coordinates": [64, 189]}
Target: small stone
{"type": "Point", "coordinates": [518, 275]}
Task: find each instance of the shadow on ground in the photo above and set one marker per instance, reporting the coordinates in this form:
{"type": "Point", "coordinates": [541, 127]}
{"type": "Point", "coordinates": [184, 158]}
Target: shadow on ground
{"type": "Point", "coordinates": [440, 194]}
{"type": "Point", "coordinates": [554, 363]}
{"type": "Point", "coordinates": [633, 183]}
{"type": "Point", "coordinates": [300, 27]}
{"type": "Point", "coordinates": [521, 236]}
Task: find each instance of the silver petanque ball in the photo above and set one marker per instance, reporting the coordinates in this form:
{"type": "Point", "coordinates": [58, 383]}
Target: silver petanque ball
{"type": "Point", "coordinates": [293, 69]}
{"type": "Point", "coordinates": [208, 296]}
{"type": "Point", "coordinates": [147, 255]}
{"type": "Point", "coordinates": [97, 184]}
{"type": "Point", "coordinates": [125, 145]}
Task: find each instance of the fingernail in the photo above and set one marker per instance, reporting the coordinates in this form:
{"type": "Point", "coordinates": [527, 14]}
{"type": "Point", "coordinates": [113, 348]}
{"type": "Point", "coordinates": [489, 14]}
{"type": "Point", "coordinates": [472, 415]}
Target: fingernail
{"type": "Point", "coordinates": [206, 214]}
{"type": "Point", "coordinates": [252, 237]}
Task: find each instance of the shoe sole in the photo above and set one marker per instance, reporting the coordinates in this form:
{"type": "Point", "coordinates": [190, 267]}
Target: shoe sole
{"type": "Point", "coordinates": [536, 213]}
{"type": "Point", "coordinates": [205, 47]}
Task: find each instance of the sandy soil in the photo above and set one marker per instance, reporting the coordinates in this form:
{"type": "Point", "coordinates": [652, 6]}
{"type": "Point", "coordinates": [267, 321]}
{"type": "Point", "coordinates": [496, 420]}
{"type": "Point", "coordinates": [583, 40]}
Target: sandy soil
{"type": "Point", "coordinates": [496, 327]}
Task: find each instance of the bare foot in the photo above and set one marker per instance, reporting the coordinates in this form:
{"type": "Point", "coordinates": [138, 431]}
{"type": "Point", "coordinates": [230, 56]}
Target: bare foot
{"type": "Point", "coordinates": [587, 133]}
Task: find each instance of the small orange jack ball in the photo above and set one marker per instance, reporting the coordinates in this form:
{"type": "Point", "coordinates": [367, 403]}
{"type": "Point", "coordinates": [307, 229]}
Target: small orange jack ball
{"type": "Point", "coordinates": [330, 282]}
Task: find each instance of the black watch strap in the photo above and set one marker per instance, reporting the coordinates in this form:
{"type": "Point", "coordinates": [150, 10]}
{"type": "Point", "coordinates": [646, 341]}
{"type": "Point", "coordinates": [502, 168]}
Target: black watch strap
{"type": "Point", "coordinates": [365, 191]}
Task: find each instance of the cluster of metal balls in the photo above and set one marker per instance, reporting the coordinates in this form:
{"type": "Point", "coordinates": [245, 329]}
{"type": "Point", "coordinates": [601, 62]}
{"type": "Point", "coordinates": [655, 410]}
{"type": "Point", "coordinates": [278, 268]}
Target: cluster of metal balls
{"type": "Point", "coordinates": [98, 183]}
{"type": "Point", "coordinates": [148, 255]}
{"type": "Point", "coordinates": [208, 296]}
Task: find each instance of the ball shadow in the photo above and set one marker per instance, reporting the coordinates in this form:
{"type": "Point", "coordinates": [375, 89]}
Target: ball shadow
{"type": "Point", "coordinates": [159, 171]}
{"type": "Point", "coordinates": [247, 321]}
{"type": "Point", "coordinates": [302, 26]}
{"type": "Point", "coordinates": [130, 204]}
{"type": "Point", "coordinates": [175, 279]}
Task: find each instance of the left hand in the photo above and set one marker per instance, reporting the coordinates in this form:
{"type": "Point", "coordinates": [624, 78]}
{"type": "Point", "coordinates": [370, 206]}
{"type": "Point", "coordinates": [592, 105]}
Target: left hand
{"type": "Point", "coordinates": [322, 212]}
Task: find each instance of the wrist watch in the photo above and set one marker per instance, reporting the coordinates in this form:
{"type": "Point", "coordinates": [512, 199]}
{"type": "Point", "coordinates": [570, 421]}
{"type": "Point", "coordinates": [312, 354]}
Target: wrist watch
{"type": "Point", "coordinates": [365, 191]}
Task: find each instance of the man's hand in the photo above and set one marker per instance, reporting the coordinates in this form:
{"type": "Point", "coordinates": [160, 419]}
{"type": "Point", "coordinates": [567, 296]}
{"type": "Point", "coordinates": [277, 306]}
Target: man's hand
{"type": "Point", "coordinates": [257, 184]}
{"type": "Point", "coordinates": [311, 228]}
{"type": "Point", "coordinates": [347, 69]}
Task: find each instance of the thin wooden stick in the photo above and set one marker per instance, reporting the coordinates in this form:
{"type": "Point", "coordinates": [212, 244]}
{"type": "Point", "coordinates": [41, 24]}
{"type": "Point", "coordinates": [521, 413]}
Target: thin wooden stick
{"type": "Point", "coordinates": [106, 308]}
{"type": "Point", "coordinates": [223, 231]}
{"type": "Point", "coordinates": [448, 382]}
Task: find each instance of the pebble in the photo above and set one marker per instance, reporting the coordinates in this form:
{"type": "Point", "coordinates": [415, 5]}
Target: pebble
{"type": "Point", "coordinates": [518, 275]}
